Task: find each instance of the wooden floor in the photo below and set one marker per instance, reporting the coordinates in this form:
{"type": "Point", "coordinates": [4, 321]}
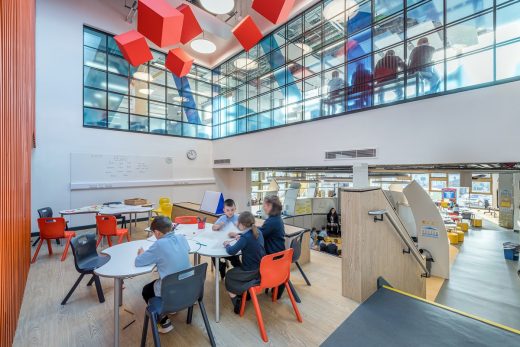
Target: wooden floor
{"type": "Point", "coordinates": [86, 322]}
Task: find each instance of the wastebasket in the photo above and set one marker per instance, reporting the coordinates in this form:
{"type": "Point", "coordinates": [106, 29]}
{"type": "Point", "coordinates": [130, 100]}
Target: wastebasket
{"type": "Point", "coordinates": [511, 250]}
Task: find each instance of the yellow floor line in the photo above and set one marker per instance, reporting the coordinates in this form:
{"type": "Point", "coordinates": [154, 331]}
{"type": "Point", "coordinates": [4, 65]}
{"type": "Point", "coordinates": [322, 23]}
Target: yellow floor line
{"type": "Point", "coordinates": [483, 320]}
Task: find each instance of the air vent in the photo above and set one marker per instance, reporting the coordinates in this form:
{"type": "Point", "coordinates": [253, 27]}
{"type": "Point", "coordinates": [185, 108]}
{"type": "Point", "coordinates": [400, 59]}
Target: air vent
{"type": "Point", "coordinates": [351, 154]}
{"type": "Point", "coordinates": [221, 161]}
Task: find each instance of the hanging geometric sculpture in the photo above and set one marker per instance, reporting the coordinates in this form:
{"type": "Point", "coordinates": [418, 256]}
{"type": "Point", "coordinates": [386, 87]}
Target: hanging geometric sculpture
{"type": "Point", "coordinates": [276, 11]}
{"type": "Point", "coordinates": [190, 25]}
{"type": "Point", "coordinates": [179, 62]}
{"type": "Point", "coordinates": [247, 33]}
{"type": "Point", "coordinates": [159, 22]}
{"type": "Point", "coordinates": [134, 47]}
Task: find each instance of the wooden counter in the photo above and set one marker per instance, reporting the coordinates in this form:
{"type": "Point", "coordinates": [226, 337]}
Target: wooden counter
{"type": "Point", "coordinates": [192, 209]}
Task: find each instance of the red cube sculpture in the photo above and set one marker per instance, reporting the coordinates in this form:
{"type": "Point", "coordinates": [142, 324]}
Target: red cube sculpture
{"type": "Point", "coordinates": [134, 47]}
{"type": "Point", "coordinates": [160, 22]}
{"type": "Point", "coordinates": [247, 33]}
{"type": "Point", "coordinates": [190, 25]}
{"type": "Point", "coordinates": [179, 62]}
{"type": "Point", "coordinates": [276, 11]}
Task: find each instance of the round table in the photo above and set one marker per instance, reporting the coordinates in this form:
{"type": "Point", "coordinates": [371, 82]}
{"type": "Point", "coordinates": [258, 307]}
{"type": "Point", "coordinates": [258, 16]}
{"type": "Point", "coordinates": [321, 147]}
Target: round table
{"type": "Point", "coordinates": [122, 265]}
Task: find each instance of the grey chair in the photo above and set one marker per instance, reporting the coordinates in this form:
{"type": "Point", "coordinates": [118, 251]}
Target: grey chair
{"type": "Point", "coordinates": [296, 245]}
{"type": "Point", "coordinates": [179, 291]}
{"type": "Point", "coordinates": [86, 260]}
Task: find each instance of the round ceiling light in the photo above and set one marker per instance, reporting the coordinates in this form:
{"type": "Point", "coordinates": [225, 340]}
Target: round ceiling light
{"type": "Point", "coordinates": [245, 64]}
{"type": "Point", "coordinates": [141, 75]}
{"type": "Point", "coordinates": [334, 8]}
{"type": "Point", "coordinates": [218, 6]}
{"type": "Point", "coordinates": [145, 91]}
{"type": "Point", "coordinates": [304, 47]}
{"type": "Point", "coordinates": [203, 46]}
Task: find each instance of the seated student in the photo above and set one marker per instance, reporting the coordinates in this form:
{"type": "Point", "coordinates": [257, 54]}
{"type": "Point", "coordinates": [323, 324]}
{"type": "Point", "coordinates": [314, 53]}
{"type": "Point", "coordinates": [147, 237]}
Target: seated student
{"type": "Point", "coordinates": [229, 217]}
{"type": "Point", "coordinates": [314, 235]}
{"type": "Point", "coordinates": [322, 234]}
{"type": "Point", "coordinates": [251, 242]}
{"type": "Point", "coordinates": [170, 253]}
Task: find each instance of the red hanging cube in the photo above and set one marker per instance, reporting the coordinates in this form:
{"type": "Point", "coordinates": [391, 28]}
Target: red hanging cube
{"type": "Point", "coordinates": [190, 25]}
{"type": "Point", "coordinates": [159, 22]}
{"type": "Point", "coordinates": [134, 47]}
{"type": "Point", "coordinates": [247, 33]}
{"type": "Point", "coordinates": [276, 11]}
{"type": "Point", "coordinates": [178, 62]}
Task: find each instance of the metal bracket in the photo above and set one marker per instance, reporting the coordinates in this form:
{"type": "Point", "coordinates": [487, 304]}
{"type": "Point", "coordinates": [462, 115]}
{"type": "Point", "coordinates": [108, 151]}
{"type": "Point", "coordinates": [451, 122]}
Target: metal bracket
{"type": "Point", "coordinates": [426, 275]}
{"type": "Point", "coordinates": [406, 250]}
{"type": "Point", "coordinates": [379, 218]}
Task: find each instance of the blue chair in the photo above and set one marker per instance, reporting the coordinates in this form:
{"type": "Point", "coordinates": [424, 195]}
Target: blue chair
{"type": "Point", "coordinates": [179, 291]}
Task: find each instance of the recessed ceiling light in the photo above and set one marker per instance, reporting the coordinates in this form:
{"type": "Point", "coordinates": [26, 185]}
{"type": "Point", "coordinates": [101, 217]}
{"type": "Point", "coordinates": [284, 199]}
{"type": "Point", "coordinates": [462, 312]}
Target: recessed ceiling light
{"type": "Point", "coordinates": [304, 47]}
{"type": "Point", "coordinates": [334, 8]}
{"type": "Point", "coordinates": [203, 46]}
{"type": "Point", "coordinates": [180, 99]}
{"type": "Point", "coordinates": [141, 75]}
{"type": "Point", "coordinates": [145, 91]}
{"type": "Point", "coordinates": [218, 6]}
{"type": "Point", "coordinates": [245, 64]}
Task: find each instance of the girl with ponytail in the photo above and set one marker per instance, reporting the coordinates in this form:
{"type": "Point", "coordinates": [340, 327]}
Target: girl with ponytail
{"type": "Point", "coordinates": [250, 242]}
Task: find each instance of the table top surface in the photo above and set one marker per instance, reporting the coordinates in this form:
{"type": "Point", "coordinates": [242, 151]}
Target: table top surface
{"type": "Point", "coordinates": [109, 209]}
{"type": "Point", "coordinates": [122, 258]}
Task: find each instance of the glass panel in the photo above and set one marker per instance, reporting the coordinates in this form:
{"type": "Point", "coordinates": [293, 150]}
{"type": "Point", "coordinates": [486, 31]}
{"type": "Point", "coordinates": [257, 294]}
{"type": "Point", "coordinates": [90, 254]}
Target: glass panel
{"type": "Point", "coordinates": [117, 83]}
{"type": "Point", "coordinates": [117, 102]}
{"type": "Point", "coordinates": [94, 98]}
{"type": "Point", "coordinates": [138, 123]}
{"type": "Point", "coordinates": [480, 187]}
{"type": "Point", "coordinates": [96, 118]}
{"type": "Point", "coordinates": [457, 9]}
{"type": "Point", "coordinates": [470, 70]}
{"type": "Point", "coordinates": [173, 128]}
{"type": "Point", "coordinates": [389, 81]}
{"type": "Point", "coordinates": [157, 109]}
{"type": "Point", "coordinates": [139, 106]}
{"type": "Point", "coordinates": [312, 108]}
{"type": "Point", "coordinates": [157, 76]}
{"type": "Point", "coordinates": [94, 58]}
{"type": "Point", "coordinates": [358, 45]}
{"type": "Point", "coordinates": [360, 83]}
{"type": "Point", "coordinates": [118, 120]}
{"type": "Point", "coordinates": [112, 47]}
{"type": "Point", "coordinates": [454, 180]}
{"type": "Point", "coordinates": [508, 22]}
{"type": "Point", "coordinates": [117, 65]}
{"type": "Point", "coordinates": [334, 91]}
{"type": "Point", "coordinates": [385, 8]}
{"type": "Point", "coordinates": [94, 78]}
{"type": "Point", "coordinates": [294, 29]}
{"type": "Point", "coordinates": [157, 93]}
{"type": "Point", "coordinates": [424, 18]}
{"type": "Point", "coordinates": [389, 32]}
{"type": "Point", "coordinates": [359, 16]}
{"type": "Point", "coordinates": [294, 113]}
{"type": "Point", "coordinates": [471, 35]}
{"type": "Point", "coordinates": [252, 123]}
{"type": "Point", "coordinates": [94, 39]}
{"type": "Point", "coordinates": [174, 112]}
{"type": "Point", "coordinates": [508, 61]}
{"type": "Point", "coordinates": [279, 116]}
{"type": "Point", "coordinates": [157, 126]}
{"type": "Point", "coordinates": [204, 132]}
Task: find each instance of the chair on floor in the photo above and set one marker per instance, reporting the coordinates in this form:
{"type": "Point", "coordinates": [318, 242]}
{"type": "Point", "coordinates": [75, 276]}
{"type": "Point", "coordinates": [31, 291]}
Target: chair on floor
{"type": "Point", "coordinates": [46, 212]}
{"type": "Point", "coordinates": [119, 217]}
{"type": "Point", "coordinates": [53, 229]}
{"type": "Point", "coordinates": [186, 220]}
{"type": "Point", "coordinates": [296, 245]}
{"type": "Point", "coordinates": [107, 227]}
{"type": "Point", "coordinates": [275, 270]}
{"type": "Point", "coordinates": [86, 260]}
{"type": "Point", "coordinates": [179, 291]}
{"type": "Point", "coordinates": [162, 201]}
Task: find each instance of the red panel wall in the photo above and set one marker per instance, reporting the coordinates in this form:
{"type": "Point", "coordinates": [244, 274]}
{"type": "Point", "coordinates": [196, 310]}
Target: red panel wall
{"type": "Point", "coordinates": [16, 131]}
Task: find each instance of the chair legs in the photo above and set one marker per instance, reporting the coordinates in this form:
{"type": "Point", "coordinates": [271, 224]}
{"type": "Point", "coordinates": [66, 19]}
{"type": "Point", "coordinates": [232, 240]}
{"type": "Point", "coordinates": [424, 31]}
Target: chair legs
{"type": "Point", "coordinates": [94, 279]}
{"type": "Point", "coordinates": [303, 273]}
{"type": "Point", "coordinates": [99, 289]}
{"type": "Point", "coordinates": [37, 251]}
{"type": "Point", "coordinates": [190, 315]}
{"type": "Point", "coordinates": [259, 318]}
{"type": "Point", "coordinates": [145, 329]}
{"type": "Point", "coordinates": [206, 323]}
{"type": "Point", "coordinates": [49, 246]}
{"type": "Point", "coordinates": [67, 244]}
{"type": "Point", "coordinates": [295, 293]}
{"type": "Point", "coordinates": [155, 332]}
{"type": "Point", "coordinates": [72, 289]}
{"type": "Point", "coordinates": [293, 302]}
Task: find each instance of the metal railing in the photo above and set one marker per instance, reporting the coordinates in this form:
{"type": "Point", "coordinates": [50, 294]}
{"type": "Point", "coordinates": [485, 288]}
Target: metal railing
{"type": "Point", "coordinates": [412, 249]}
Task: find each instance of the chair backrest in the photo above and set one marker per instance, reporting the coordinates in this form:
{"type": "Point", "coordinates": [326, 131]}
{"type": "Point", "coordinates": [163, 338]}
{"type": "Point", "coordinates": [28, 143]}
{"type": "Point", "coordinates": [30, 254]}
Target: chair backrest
{"type": "Point", "coordinates": [182, 289]}
{"type": "Point", "coordinates": [186, 220]}
{"type": "Point", "coordinates": [106, 225]}
{"type": "Point", "coordinates": [45, 212]}
{"type": "Point", "coordinates": [52, 228]}
{"type": "Point", "coordinates": [166, 209]}
{"type": "Point", "coordinates": [83, 249]}
{"type": "Point", "coordinates": [296, 245]}
{"type": "Point", "coordinates": [164, 201]}
{"type": "Point", "coordinates": [275, 268]}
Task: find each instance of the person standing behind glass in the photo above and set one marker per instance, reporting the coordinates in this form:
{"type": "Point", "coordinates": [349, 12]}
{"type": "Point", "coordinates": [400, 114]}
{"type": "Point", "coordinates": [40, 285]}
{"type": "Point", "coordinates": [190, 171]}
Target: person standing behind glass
{"type": "Point", "coordinates": [423, 55]}
{"type": "Point", "coordinates": [386, 70]}
{"type": "Point", "coordinates": [336, 85]}
{"type": "Point", "coordinates": [273, 229]}
{"type": "Point", "coordinates": [361, 84]}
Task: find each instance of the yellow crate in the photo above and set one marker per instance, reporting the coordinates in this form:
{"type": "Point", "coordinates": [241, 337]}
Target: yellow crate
{"type": "Point", "coordinates": [463, 226]}
{"type": "Point", "coordinates": [476, 223]}
{"type": "Point", "coordinates": [461, 236]}
{"type": "Point", "coordinates": [454, 238]}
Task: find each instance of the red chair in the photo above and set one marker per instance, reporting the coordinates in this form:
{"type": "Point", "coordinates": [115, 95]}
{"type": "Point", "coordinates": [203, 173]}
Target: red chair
{"type": "Point", "coordinates": [186, 220]}
{"type": "Point", "coordinates": [275, 270]}
{"type": "Point", "coordinates": [107, 227]}
{"type": "Point", "coordinates": [53, 229]}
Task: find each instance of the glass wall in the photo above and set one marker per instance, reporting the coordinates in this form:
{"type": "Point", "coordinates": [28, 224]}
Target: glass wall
{"type": "Point", "coordinates": [147, 98]}
{"type": "Point", "coordinates": [345, 55]}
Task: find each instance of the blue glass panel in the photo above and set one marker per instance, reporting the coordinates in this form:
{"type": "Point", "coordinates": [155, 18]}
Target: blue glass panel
{"type": "Point", "coordinates": [359, 44]}
{"type": "Point", "coordinates": [457, 9]}
{"type": "Point", "coordinates": [264, 120]}
{"type": "Point", "coordinates": [94, 78]}
{"type": "Point", "coordinates": [508, 61]}
{"type": "Point", "coordinates": [385, 8]}
{"type": "Point", "coordinates": [424, 18]}
{"type": "Point", "coordinates": [94, 98]}
{"type": "Point", "coordinates": [312, 108]}
{"type": "Point", "coordinates": [425, 80]}
{"type": "Point", "coordinates": [241, 125]}
{"type": "Point", "coordinates": [470, 70]}
{"type": "Point", "coordinates": [138, 123]}
{"type": "Point", "coordinates": [279, 116]}
{"type": "Point", "coordinates": [118, 102]}
{"type": "Point", "coordinates": [118, 120]}
{"type": "Point", "coordinates": [360, 19]}
{"type": "Point", "coordinates": [94, 39]}
{"type": "Point", "coordinates": [359, 75]}
{"type": "Point", "coordinates": [192, 114]}
{"type": "Point", "coordinates": [473, 34]}
{"type": "Point", "coordinates": [118, 83]}
{"type": "Point", "coordinates": [92, 117]}
{"type": "Point", "coordinates": [508, 23]}
{"type": "Point", "coordinates": [94, 58]}
{"type": "Point", "coordinates": [173, 128]}
{"type": "Point", "coordinates": [252, 123]}
{"type": "Point", "coordinates": [388, 33]}
{"type": "Point", "coordinates": [189, 130]}
{"type": "Point", "coordinates": [157, 126]}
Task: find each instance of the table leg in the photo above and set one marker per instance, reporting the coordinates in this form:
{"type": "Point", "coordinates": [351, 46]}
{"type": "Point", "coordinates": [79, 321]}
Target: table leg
{"type": "Point", "coordinates": [149, 217]}
{"type": "Point", "coordinates": [217, 293]}
{"type": "Point", "coordinates": [117, 301]}
{"type": "Point", "coordinates": [130, 224]}
{"type": "Point", "coordinates": [195, 259]}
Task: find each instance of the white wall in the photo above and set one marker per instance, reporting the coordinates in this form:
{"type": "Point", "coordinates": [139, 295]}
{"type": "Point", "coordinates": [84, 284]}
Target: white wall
{"type": "Point", "coordinates": [475, 126]}
{"type": "Point", "coordinates": [59, 115]}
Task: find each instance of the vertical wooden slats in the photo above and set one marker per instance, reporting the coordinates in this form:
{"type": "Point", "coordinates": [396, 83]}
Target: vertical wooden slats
{"type": "Point", "coordinates": [17, 46]}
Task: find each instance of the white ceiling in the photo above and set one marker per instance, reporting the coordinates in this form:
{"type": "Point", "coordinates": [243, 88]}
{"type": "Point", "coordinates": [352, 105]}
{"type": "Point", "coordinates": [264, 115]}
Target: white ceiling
{"type": "Point", "coordinates": [218, 30]}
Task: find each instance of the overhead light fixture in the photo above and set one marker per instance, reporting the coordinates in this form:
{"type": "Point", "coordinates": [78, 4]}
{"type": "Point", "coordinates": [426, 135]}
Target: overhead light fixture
{"type": "Point", "coordinates": [141, 75]}
{"type": "Point", "coordinates": [304, 47]}
{"type": "Point", "coordinates": [218, 6]}
{"type": "Point", "coordinates": [245, 64]}
{"type": "Point", "coordinates": [180, 99]}
{"type": "Point", "coordinates": [335, 7]}
{"type": "Point", "coordinates": [203, 46]}
{"type": "Point", "coordinates": [145, 91]}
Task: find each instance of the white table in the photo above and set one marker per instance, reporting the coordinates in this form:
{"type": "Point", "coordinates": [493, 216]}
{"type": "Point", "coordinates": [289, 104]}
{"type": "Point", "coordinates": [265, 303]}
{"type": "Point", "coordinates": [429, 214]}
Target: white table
{"type": "Point", "coordinates": [112, 209]}
{"type": "Point", "coordinates": [211, 245]}
{"type": "Point", "coordinates": [122, 265]}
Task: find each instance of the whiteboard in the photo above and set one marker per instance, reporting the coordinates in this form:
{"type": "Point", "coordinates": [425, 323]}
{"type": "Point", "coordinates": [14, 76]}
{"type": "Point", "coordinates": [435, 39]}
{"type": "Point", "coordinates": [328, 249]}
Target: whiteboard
{"type": "Point", "coordinates": [105, 168]}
